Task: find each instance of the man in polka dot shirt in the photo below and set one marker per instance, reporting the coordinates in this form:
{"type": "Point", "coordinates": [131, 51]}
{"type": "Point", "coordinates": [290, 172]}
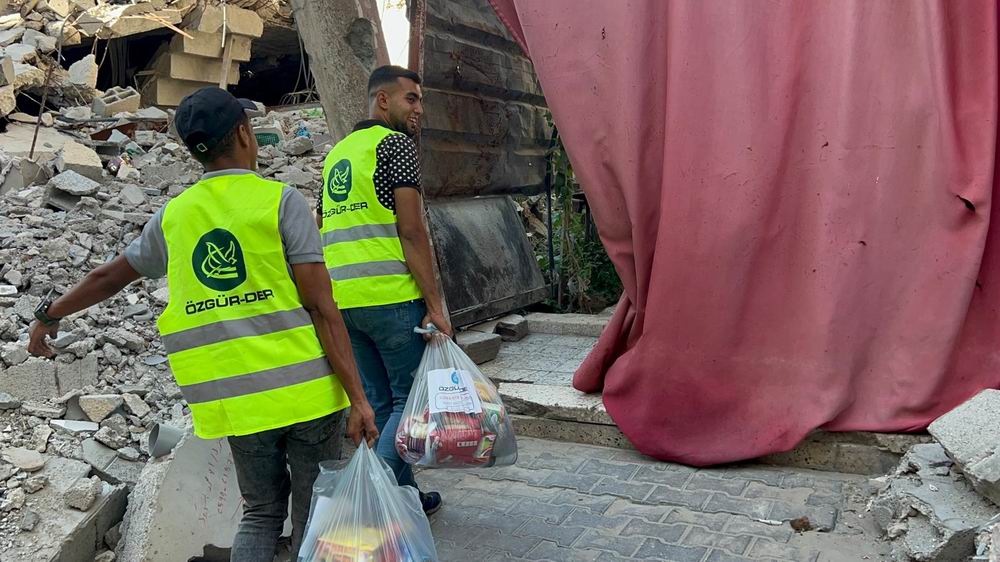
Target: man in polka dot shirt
{"type": "Point", "coordinates": [379, 255]}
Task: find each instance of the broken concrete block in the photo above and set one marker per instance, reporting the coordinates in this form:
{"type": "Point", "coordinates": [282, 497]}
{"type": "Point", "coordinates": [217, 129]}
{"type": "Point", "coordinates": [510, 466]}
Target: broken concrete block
{"type": "Point", "coordinates": [112, 438]}
{"type": "Point", "coordinates": [84, 493]}
{"type": "Point", "coordinates": [29, 519]}
{"type": "Point", "coordinates": [75, 427]}
{"type": "Point", "coordinates": [297, 146]}
{"type": "Point", "coordinates": [106, 556]}
{"type": "Point", "coordinates": [14, 499]}
{"type": "Point", "coordinates": [70, 34]}
{"type": "Point", "coordinates": [566, 324]}
{"type": "Point", "coordinates": [39, 40]}
{"type": "Point", "coordinates": [132, 195]}
{"type": "Point", "coordinates": [152, 113]}
{"type": "Point", "coordinates": [84, 72]}
{"type": "Point", "coordinates": [61, 8]}
{"type": "Point", "coordinates": [8, 101]}
{"type": "Point", "coordinates": [11, 36]}
{"type": "Point", "coordinates": [110, 465]}
{"type": "Point", "coordinates": [210, 45]}
{"type": "Point", "coordinates": [78, 374]}
{"type": "Point", "coordinates": [164, 91]}
{"type": "Point", "coordinates": [8, 402]}
{"type": "Point", "coordinates": [80, 159]}
{"type": "Point", "coordinates": [210, 19]}
{"type": "Point", "coordinates": [158, 517]}
{"type": "Point", "coordinates": [74, 183]}
{"type": "Point", "coordinates": [928, 515]}
{"type": "Point", "coordinates": [478, 346]}
{"type": "Point", "coordinates": [116, 100]}
{"type": "Point", "coordinates": [79, 113]}
{"type": "Point", "coordinates": [969, 435]}
{"type": "Point", "coordinates": [35, 379]}
{"type": "Point", "coordinates": [136, 405]}
{"type": "Point", "coordinates": [25, 459]}
{"type": "Point", "coordinates": [39, 440]}
{"type": "Point", "coordinates": [35, 483]}
{"type": "Point", "coordinates": [61, 200]}
{"type": "Point", "coordinates": [99, 406]}
{"type": "Point", "coordinates": [68, 535]}
{"type": "Point", "coordinates": [196, 69]}
{"type": "Point", "coordinates": [6, 71]}
{"type": "Point", "coordinates": [42, 410]}
{"type": "Point", "coordinates": [19, 52]}
{"type": "Point", "coordinates": [512, 328]}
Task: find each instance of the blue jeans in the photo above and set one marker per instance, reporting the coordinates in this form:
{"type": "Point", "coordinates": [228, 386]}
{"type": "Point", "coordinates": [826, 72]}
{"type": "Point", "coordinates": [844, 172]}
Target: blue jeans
{"type": "Point", "coordinates": [262, 461]}
{"type": "Point", "coordinates": [387, 352]}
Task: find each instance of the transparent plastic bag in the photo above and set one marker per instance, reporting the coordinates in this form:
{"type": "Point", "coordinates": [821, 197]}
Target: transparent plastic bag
{"type": "Point", "coordinates": [454, 417]}
{"type": "Point", "coordinates": [360, 514]}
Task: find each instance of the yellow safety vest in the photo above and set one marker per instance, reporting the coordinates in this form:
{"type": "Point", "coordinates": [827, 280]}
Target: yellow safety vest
{"type": "Point", "coordinates": [242, 348]}
{"type": "Point", "coordinates": [360, 241]}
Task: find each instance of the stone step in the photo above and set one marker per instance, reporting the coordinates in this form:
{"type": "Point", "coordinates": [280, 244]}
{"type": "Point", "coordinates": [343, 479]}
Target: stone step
{"type": "Point", "coordinates": [566, 414]}
{"type": "Point", "coordinates": [566, 324]}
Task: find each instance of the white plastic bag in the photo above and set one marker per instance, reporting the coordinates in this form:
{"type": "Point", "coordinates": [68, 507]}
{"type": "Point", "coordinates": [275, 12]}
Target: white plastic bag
{"type": "Point", "coordinates": [360, 514]}
{"type": "Point", "coordinates": [454, 417]}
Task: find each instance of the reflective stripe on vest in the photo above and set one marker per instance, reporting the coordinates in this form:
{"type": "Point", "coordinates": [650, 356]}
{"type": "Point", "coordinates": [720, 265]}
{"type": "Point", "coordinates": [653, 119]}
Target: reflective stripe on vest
{"type": "Point", "coordinates": [243, 350]}
{"type": "Point", "coordinates": [360, 240]}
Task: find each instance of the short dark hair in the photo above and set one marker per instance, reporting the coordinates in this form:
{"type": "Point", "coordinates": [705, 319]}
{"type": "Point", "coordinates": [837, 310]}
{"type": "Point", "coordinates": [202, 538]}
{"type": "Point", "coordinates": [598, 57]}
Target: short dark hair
{"type": "Point", "coordinates": [388, 74]}
{"type": "Point", "coordinates": [222, 148]}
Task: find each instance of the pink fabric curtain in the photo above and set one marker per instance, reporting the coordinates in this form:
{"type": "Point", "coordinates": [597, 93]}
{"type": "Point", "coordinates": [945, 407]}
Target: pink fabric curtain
{"type": "Point", "coordinates": [797, 197]}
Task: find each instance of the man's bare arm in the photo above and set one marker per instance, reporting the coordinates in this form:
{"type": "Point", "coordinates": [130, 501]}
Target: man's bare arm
{"type": "Point", "coordinates": [417, 250]}
{"type": "Point", "coordinates": [313, 282]}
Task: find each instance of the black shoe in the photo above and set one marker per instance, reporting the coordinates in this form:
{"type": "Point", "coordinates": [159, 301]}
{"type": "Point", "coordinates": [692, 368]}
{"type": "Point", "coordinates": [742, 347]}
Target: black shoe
{"type": "Point", "coordinates": [431, 502]}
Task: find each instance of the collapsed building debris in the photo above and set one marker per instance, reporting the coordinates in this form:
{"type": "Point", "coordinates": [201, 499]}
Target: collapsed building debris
{"type": "Point", "coordinates": [941, 503]}
{"type": "Point", "coordinates": [90, 411]}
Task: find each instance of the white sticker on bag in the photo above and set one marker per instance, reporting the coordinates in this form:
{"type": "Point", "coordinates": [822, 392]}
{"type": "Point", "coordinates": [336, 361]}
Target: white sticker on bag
{"type": "Point", "coordinates": [452, 390]}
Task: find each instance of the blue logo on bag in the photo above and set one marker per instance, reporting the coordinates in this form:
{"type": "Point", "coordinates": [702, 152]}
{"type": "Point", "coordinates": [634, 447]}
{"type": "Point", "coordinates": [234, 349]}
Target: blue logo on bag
{"type": "Point", "coordinates": [454, 377]}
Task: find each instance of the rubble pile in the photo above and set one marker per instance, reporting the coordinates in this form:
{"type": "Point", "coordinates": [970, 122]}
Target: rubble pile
{"type": "Point", "coordinates": [941, 503]}
{"type": "Point", "coordinates": [76, 204]}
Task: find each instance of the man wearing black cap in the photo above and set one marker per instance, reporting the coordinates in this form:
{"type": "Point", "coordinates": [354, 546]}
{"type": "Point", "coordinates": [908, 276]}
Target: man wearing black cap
{"type": "Point", "coordinates": [254, 338]}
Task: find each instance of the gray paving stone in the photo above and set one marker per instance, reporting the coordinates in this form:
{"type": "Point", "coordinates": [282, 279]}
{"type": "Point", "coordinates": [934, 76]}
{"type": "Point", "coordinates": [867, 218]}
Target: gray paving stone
{"type": "Point", "coordinates": [756, 508]}
{"type": "Point", "coordinates": [580, 483]}
{"type": "Point", "coordinates": [547, 550]}
{"type": "Point", "coordinates": [763, 475]}
{"type": "Point", "coordinates": [596, 504]}
{"type": "Point", "coordinates": [638, 527]}
{"type": "Point", "coordinates": [624, 546]}
{"type": "Point", "coordinates": [702, 481]}
{"type": "Point", "coordinates": [651, 513]}
{"type": "Point", "coordinates": [566, 463]}
{"type": "Point", "coordinates": [605, 523]}
{"type": "Point", "coordinates": [504, 542]}
{"type": "Point", "coordinates": [723, 556]}
{"type": "Point", "coordinates": [563, 535]}
{"type": "Point", "coordinates": [517, 474]}
{"type": "Point", "coordinates": [637, 491]}
{"type": "Point", "coordinates": [547, 511]}
{"type": "Point", "coordinates": [621, 471]}
{"type": "Point", "coordinates": [672, 478]}
{"type": "Point", "coordinates": [735, 544]}
{"type": "Point", "coordinates": [711, 521]}
{"type": "Point", "coordinates": [654, 549]}
{"type": "Point", "coordinates": [673, 496]}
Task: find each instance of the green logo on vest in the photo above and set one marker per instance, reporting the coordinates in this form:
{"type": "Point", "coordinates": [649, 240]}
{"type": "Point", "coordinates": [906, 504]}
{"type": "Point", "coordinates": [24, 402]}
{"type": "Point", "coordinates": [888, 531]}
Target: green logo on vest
{"type": "Point", "coordinates": [339, 183]}
{"type": "Point", "coordinates": [218, 260]}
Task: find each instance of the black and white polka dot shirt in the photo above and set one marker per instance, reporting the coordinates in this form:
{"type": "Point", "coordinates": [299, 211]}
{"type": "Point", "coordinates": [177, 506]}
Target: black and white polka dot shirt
{"type": "Point", "coordinates": [396, 166]}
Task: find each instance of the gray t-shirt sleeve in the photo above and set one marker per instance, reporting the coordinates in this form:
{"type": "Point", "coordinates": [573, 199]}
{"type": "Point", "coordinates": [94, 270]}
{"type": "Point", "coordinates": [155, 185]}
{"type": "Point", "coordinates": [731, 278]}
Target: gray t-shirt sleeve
{"type": "Point", "coordinates": [147, 254]}
{"type": "Point", "coordinates": [298, 228]}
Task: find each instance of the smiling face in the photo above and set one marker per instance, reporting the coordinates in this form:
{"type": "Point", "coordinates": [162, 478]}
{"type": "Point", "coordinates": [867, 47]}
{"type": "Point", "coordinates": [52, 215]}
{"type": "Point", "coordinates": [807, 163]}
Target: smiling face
{"type": "Point", "coordinates": [401, 105]}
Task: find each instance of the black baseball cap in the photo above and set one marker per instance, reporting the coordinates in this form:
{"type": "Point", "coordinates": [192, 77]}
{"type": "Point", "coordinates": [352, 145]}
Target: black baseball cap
{"type": "Point", "coordinates": [205, 116]}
